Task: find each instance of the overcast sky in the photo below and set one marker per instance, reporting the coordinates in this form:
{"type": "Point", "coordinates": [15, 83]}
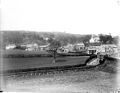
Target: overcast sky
{"type": "Point", "coordinates": [73, 16]}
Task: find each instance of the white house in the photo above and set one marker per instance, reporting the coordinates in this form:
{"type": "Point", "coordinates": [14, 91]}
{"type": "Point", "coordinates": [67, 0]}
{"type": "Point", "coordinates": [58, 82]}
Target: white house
{"type": "Point", "coordinates": [31, 47]}
{"type": "Point", "coordinates": [93, 48]}
{"type": "Point", "coordinates": [94, 39]}
{"type": "Point", "coordinates": [62, 50]}
{"type": "Point", "coordinates": [66, 49]}
{"type": "Point", "coordinates": [79, 47]}
{"type": "Point", "coordinates": [110, 49]}
{"type": "Point", "coordinates": [10, 46]}
{"type": "Point", "coordinates": [44, 47]}
{"type": "Point", "coordinates": [69, 47]}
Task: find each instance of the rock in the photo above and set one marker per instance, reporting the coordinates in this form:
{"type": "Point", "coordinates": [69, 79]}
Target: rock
{"type": "Point", "coordinates": [93, 62]}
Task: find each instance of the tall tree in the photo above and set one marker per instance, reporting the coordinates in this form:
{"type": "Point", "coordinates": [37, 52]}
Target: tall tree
{"type": "Point", "coordinates": [13, 37]}
{"type": "Point", "coordinates": [116, 40]}
{"type": "Point", "coordinates": [54, 45]}
{"type": "Point", "coordinates": [106, 39]}
{"type": "Point", "coordinates": [86, 38]}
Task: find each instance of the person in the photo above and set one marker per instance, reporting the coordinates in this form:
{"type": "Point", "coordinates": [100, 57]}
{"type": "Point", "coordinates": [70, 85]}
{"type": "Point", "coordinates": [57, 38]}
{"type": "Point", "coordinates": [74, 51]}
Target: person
{"type": "Point", "coordinates": [101, 58]}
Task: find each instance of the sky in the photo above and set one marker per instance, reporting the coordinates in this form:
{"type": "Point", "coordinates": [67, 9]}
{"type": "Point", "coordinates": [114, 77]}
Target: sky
{"type": "Point", "coordinates": [71, 16]}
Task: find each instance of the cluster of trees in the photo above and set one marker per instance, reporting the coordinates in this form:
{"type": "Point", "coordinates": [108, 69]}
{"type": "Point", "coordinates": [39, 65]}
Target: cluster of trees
{"type": "Point", "coordinates": [55, 39]}
{"type": "Point", "coordinates": [18, 38]}
{"type": "Point", "coordinates": [108, 39]}
{"type": "Point", "coordinates": [54, 45]}
{"type": "Point", "coordinates": [22, 37]}
{"type": "Point", "coordinates": [15, 37]}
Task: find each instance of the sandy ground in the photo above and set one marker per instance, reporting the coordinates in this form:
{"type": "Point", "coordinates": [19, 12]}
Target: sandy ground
{"type": "Point", "coordinates": [68, 82]}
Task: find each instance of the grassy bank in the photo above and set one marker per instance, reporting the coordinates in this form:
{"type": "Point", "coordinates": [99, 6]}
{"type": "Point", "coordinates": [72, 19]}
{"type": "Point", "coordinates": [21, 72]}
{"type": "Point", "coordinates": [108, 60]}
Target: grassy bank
{"type": "Point", "coordinates": [23, 54]}
{"type": "Point", "coordinates": [110, 65]}
{"type": "Point", "coordinates": [30, 63]}
{"type": "Point", "coordinates": [27, 54]}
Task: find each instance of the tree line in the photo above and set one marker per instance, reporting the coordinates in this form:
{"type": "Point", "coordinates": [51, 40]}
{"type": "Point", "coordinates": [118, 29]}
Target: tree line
{"type": "Point", "coordinates": [54, 39]}
{"type": "Point", "coordinates": [24, 37]}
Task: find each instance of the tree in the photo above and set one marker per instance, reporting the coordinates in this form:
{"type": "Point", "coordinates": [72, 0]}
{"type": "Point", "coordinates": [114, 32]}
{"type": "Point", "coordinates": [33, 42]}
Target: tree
{"type": "Point", "coordinates": [106, 39]}
{"type": "Point", "coordinates": [54, 45]}
{"type": "Point", "coordinates": [12, 38]}
{"type": "Point", "coordinates": [116, 40]}
{"type": "Point", "coordinates": [86, 38]}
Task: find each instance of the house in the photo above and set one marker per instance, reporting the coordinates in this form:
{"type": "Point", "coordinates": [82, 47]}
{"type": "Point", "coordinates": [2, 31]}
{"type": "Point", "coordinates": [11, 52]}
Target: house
{"type": "Point", "coordinates": [79, 47]}
{"type": "Point", "coordinates": [110, 49]}
{"type": "Point", "coordinates": [106, 49]}
{"type": "Point", "coordinates": [69, 48]}
{"type": "Point", "coordinates": [31, 47]}
{"type": "Point", "coordinates": [94, 39]}
{"type": "Point", "coordinates": [23, 47]}
{"type": "Point", "coordinates": [66, 49]}
{"type": "Point", "coordinates": [44, 47]}
{"type": "Point", "coordinates": [10, 46]}
{"type": "Point", "coordinates": [36, 47]}
{"type": "Point", "coordinates": [93, 48]}
{"type": "Point", "coordinates": [62, 50]}
{"type": "Point", "coordinates": [117, 54]}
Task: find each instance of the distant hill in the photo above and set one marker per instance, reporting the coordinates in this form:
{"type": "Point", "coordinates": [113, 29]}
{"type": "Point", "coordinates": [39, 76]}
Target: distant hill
{"type": "Point", "coordinates": [41, 38]}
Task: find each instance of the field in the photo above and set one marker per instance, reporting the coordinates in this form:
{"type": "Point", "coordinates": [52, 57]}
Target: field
{"type": "Point", "coordinates": [101, 79]}
{"type": "Point", "coordinates": [26, 63]}
{"type": "Point", "coordinates": [23, 53]}
{"type": "Point", "coordinates": [69, 82]}
{"type": "Point", "coordinates": [89, 81]}
{"type": "Point", "coordinates": [17, 52]}
{"type": "Point", "coordinates": [20, 59]}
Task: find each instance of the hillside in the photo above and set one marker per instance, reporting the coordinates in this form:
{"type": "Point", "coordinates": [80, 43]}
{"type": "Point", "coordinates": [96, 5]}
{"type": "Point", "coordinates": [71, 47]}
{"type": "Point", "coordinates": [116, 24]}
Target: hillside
{"type": "Point", "coordinates": [41, 38]}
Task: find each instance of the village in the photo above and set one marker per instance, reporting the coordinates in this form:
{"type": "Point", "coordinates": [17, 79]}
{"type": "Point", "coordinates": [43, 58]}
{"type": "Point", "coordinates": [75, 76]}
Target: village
{"type": "Point", "coordinates": [60, 46]}
{"type": "Point", "coordinates": [94, 46]}
{"type": "Point", "coordinates": [74, 62]}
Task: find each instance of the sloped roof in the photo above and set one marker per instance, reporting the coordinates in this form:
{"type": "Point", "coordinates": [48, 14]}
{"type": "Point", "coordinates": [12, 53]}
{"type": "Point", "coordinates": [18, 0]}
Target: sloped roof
{"type": "Point", "coordinates": [79, 44]}
{"type": "Point", "coordinates": [109, 45]}
{"type": "Point", "coordinates": [92, 44]}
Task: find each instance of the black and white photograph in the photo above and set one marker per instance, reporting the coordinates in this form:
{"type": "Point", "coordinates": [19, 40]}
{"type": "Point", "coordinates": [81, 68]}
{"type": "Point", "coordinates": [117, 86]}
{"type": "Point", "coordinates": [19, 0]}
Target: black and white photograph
{"type": "Point", "coordinates": [60, 46]}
